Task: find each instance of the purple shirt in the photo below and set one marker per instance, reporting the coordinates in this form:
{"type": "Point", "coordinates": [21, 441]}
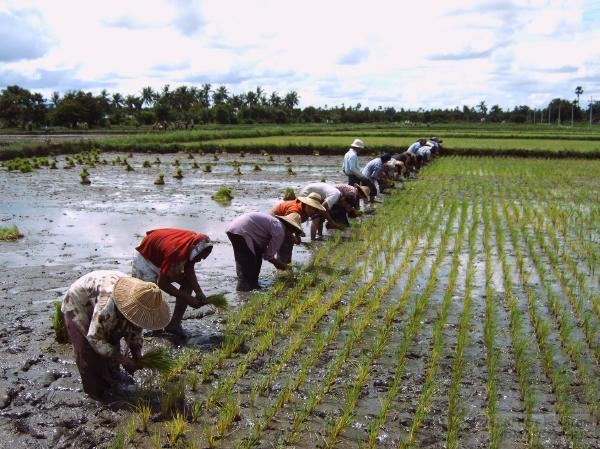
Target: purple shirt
{"type": "Point", "coordinates": [262, 232]}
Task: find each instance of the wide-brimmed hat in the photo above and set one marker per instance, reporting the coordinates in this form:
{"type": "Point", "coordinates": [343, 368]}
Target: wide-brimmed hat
{"type": "Point", "coordinates": [312, 199]}
{"type": "Point", "coordinates": [141, 303]}
{"type": "Point", "coordinates": [357, 144]}
{"type": "Point", "coordinates": [363, 189]}
{"type": "Point", "coordinates": [294, 220]}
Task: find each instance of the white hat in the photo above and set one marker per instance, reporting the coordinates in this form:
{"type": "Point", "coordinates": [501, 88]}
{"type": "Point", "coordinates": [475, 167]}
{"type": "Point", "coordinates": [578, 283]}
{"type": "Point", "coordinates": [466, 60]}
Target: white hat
{"type": "Point", "coordinates": [357, 144]}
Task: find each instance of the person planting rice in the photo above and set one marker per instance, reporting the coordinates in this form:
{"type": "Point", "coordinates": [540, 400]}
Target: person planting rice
{"type": "Point", "coordinates": [167, 256]}
{"type": "Point", "coordinates": [307, 207]}
{"type": "Point", "coordinates": [330, 196]}
{"type": "Point", "coordinates": [349, 203]}
{"type": "Point", "coordinates": [256, 236]}
{"type": "Point", "coordinates": [372, 172]}
{"type": "Point", "coordinates": [101, 308]}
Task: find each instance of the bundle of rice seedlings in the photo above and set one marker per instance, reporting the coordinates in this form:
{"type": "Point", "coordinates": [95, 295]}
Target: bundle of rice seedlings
{"type": "Point", "coordinates": [158, 359]}
{"type": "Point", "coordinates": [58, 324]}
{"type": "Point", "coordinates": [218, 300]}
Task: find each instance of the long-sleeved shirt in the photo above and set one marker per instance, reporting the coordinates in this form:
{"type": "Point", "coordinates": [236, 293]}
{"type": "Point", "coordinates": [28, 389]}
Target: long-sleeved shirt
{"type": "Point", "coordinates": [412, 149]}
{"type": "Point", "coordinates": [373, 169]}
{"type": "Point", "coordinates": [328, 192]}
{"type": "Point", "coordinates": [350, 165]}
{"type": "Point", "coordinates": [100, 321]}
{"type": "Point", "coordinates": [261, 232]}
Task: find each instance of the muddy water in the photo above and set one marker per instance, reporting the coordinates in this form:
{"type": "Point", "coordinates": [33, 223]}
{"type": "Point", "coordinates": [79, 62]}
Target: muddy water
{"type": "Point", "coordinates": [70, 229]}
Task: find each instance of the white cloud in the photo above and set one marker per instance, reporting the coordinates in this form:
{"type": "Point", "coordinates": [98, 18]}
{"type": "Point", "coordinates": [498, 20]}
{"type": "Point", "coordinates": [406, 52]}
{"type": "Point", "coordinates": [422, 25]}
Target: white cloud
{"type": "Point", "coordinates": [430, 53]}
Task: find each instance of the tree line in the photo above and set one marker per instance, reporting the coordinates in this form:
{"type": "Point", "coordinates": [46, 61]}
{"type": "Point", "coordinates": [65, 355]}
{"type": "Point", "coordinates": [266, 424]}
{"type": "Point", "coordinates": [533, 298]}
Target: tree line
{"type": "Point", "coordinates": [187, 106]}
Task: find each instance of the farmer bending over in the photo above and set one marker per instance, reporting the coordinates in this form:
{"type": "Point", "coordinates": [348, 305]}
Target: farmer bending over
{"type": "Point", "coordinates": [256, 236]}
{"type": "Point", "coordinates": [167, 256]}
{"type": "Point", "coordinates": [307, 207]}
{"type": "Point", "coordinates": [100, 309]}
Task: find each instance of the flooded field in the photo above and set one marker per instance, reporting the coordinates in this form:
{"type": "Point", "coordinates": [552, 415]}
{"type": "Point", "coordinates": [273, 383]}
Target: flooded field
{"type": "Point", "coordinates": [464, 313]}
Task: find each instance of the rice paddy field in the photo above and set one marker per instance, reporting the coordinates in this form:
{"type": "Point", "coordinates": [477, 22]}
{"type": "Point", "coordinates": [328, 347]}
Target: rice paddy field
{"type": "Point", "coordinates": [465, 313]}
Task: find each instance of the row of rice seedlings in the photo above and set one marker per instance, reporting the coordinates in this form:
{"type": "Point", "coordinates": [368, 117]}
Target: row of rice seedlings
{"type": "Point", "coordinates": [455, 411]}
{"type": "Point", "coordinates": [520, 339]}
{"type": "Point", "coordinates": [320, 342]}
{"type": "Point", "coordinates": [250, 320]}
{"type": "Point", "coordinates": [558, 372]}
{"type": "Point", "coordinates": [422, 303]}
{"type": "Point", "coordinates": [264, 343]}
{"type": "Point", "coordinates": [489, 335]}
{"type": "Point", "coordinates": [573, 282]}
{"type": "Point", "coordinates": [317, 394]}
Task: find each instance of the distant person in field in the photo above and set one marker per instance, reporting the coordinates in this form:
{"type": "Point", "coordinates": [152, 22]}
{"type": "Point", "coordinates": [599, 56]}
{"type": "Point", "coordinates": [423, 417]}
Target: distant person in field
{"type": "Point", "coordinates": [167, 256]}
{"type": "Point", "coordinates": [330, 196]}
{"type": "Point", "coordinates": [373, 171]}
{"type": "Point", "coordinates": [102, 308]}
{"type": "Point", "coordinates": [348, 206]}
{"type": "Point", "coordinates": [256, 236]}
{"type": "Point", "coordinates": [306, 207]}
{"type": "Point", "coordinates": [351, 168]}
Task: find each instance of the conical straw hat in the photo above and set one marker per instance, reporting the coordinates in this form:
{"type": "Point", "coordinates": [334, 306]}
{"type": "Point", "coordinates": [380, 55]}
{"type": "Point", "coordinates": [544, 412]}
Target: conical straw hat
{"type": "Point", "coordinates": [141, 303]}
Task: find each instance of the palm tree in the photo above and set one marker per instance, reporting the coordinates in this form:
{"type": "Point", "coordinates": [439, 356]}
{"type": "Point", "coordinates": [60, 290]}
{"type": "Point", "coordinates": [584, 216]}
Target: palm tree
{"type": "Point", "coordinates": [117, 100]}
{"type": "Point", "coordinates": [578, 92]}
{"type": "Point", "coordinates": [290, 100]}
{"type": "Point", "coordinates": [148, 96]}
{"type": "Point", "coordinates": [220, 95]}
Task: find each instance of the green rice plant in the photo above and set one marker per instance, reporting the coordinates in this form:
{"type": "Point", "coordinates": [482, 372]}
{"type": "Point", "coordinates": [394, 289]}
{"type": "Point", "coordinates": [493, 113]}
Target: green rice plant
{"type": "Point", "coordinates": [157, 161]}
{"type": "Point", "coordinates": [84, 177]}
{"type": "Point", "coordinates": [215, 157]}
{"type": "Point", "coordinates": [196, 410]}
{"type": "Point", "coordinates": [218, 300]}
{"type": "Point", "coordinates": [288, 160]}
{"type": "Point", "coordinates": [289, 194]}
{"type": "Point", "coordinates": [193, 378]}
{"type": "Point", "coordinates": [175, 428]}
{"type": "Point", "coordinates": [131, 428]}
{"type": "Point", "coordinates": [128, 167]}
{"type": "Point", "coordinates": [146, 164]}
{"type": "Point", "coordinates": [160, 180]}
{"type": "Point", "coordinates": [118, 441]}
{"type": "Point", "coordinates": [144, 412]}
{"type": "Point", "coordinates": [178, 173]}
{"type": "Point", "coordinates": [158, 359]}
{"type": "Point", "coordinates": [256, 168]}
{"type": "Point", "coordinates": [223, 194]}
{"type": "Point", "coordinates": [58, 324]}
{"type": "Point", "coordinates": [176, 163]}
{"type": "Point", "coordinates": [207, 168]}
{"type": "Point", "coordinates": [195, 165]}
{"type": "Point", "coordinates": [9, 233]}
{"type": "Point", "coordinates": [173, 395]}
{"type": "Point", "coordinates": [156, 439]}
{"type": "Point", "coordinates": [290, 170]}
{"type": "Point", "coordinates": [270, 159]}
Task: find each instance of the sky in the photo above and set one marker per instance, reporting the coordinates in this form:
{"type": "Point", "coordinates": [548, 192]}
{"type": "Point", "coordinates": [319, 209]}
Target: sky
{"type": "Point", "coordinates": [407, 54]}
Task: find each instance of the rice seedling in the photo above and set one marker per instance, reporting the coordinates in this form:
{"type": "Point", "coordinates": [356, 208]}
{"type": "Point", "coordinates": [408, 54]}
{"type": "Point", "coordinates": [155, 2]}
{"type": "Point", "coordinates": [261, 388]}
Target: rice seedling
{"type": "Point", "coordinates": [158, 359]}
{"type": "Point", "coordinates": [146, 164]}
{"type": "Point", "coordinates": [256, 168]}
{"type": "Point", "coordinates": [195, 165]}
{"type": "Point", "coordinates": [58, 324]}
{"type": "Point", "coordinates": [176, 163]}
{"type": "Point", "coordinates": [84, 177]}
{"type": "Point", "coordinates": [130, 428]}
{"type": "Point", "coordinates": [270, 159]}
{"type": "Point", "coordinates": [175, 428]}
{"type": "Point", "coordinates": [290, 170]}
{"type": "Point", "coordinates": [289, 194]}
{"type": "Point", "coordinates": [288, 160]}
{"type": "Point", "coordinates": [178, 173]}
{"type": "Point", "coordinates": [144, 412]}
{"type": "Point", "coordinates": [207, 168]}
{"type": "Point", "coordinates": [157, 161]}
{"type": "Point", "coordinates": [156, 439]}
{"type": "Point", "coordinates": [223, 194]}
{"type": "Point", "coordinates": [160, 180]}
{"type": "Point", "coordinates": [218, 300]}
{"type": "Point", "coordinates": [10, 233]}
{"type": "Point", "coordinates": [128, 167]}
{"type": "Point", "coordinates": [196, 410]}
{"type": "Point", "coordinates": [118, 441]}
{"type": "Point", "coordinates": [215, 157]}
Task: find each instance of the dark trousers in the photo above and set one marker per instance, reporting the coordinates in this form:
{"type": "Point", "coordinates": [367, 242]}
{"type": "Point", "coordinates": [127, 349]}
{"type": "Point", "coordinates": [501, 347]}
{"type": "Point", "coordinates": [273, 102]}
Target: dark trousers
{"type": "Point", "coordinates": [338, 213]}
{"type": "Point", "coordinates": [97, 372]}
{"type": "Point", "coordinates": [247, 264]}
{"type": "Point", "coordinates": [364, 182]}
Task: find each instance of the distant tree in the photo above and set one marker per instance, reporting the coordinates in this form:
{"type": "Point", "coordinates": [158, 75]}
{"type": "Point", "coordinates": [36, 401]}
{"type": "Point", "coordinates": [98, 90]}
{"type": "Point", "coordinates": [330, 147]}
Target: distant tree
{"type": "Point", "coordinates": [290, 100]}
{"type": "Point", "coordinates": [578, 92]}
{"type": "Point", "coordinates": [148, 96]}
{"type": "Point", "coordinates": [19, 107]}
{"type": "Point", "coordinates": [220, 95]}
